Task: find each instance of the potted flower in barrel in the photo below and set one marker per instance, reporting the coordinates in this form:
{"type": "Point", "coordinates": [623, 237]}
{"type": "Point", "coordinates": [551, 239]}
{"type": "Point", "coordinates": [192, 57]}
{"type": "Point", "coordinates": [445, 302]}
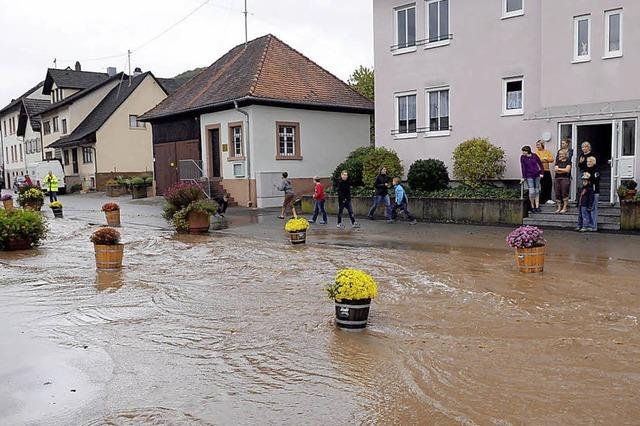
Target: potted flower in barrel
{"type": "Point", "coordinates": [109, 251]}
{"type": "Point", "coordinates": [352, 291]}
{"type": "Point", "coordinates": [7, 201]}
{"type": "Point", "coordinates": [297, 229]}
{"type": "Point", "coordinates": [31, 199]}
{"type": "Point", "coordinates": [112, 213]}
{"type": "Point", "coordinates": [21, 229]}
{"type": "Point", "coordinates": [530, 245]}
{"type": "Point", "coordinates": [56, 208]}
{"type": "Point", "coordinates": [187, 209]}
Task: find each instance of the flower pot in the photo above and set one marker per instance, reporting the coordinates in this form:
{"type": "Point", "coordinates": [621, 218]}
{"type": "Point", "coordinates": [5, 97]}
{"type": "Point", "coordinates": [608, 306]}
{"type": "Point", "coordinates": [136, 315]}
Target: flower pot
{"type": "Point", "coordinates": [113, 218]}
{"type": "Point", "coordinates": [18, 244]}
{"type": "Point", "coordinates": [8, 204]}
{"type": "Point", "coordinates": [57, 212]}
{"type": "Point", "coordinates": [109, 256]}
{"type": "Point", "coordinates": [198, 222]}
{"type": "Point", "coordinates": [139, 192]}
{"type": "Point", "coordinates": [34, 205]}
{"type": "Point", "coordinates": [299, 237]}
{"type": "Point", "coordinates": [352, 314]}
{"type": "Point", "coordinates": [530, 260]}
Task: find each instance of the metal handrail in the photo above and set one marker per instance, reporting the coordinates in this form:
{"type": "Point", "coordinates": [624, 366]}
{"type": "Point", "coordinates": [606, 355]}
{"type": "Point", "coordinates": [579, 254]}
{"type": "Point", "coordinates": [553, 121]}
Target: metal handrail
{"type": "Point", "coordinates": [191, 171]}
{"type": "Point", "coordinates": [421, 42]}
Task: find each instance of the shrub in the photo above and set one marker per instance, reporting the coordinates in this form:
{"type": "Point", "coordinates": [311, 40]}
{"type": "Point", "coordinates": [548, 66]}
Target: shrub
{"type": "Point", "coordinates": [148, 180]}
{"type": "Point", "coordinates": [22, 224]}
{"type": "Point", "coordinates": [183, 194]}
{"type": "Point", "coordinates": [479, 192]}
{"type": "Point", "coordinates": [353, 164]}
{"type": "Point", "coordinates": [428, 175]}
{"type": "Point", "coordinates": [110, 207]}
{"type": "Point", "coordinates": [375, 160]}
{"type": "Point", "coordinates": [32, 194]}
{"type": "Point", "coordinates": [123, 180]}
{"type": "Point", "coordinates": [112, 182]}
{"type": "Point", "coordinates": [629, 184]}
{"type": "Point", "coordinates": [137, 181]}
{"type": "Point", "coordinates": [179, 217]}
{"type": "Point", "coordinates": [477, 160]}
{"type": "Point", "coordinates": [105, 236]}
{"type": "Point", "coordinates": [352, 284]}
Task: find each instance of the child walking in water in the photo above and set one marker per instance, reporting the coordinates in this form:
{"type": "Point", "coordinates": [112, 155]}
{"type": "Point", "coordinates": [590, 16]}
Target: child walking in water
{"type": "Point", "coordinates": [344, 200]}
{"type": "Point", "coordinates": [318, 197]}
{"type": "Point", "coordinates": [402, 203]}
{"type": "Point", "coordinates": [286, 187]}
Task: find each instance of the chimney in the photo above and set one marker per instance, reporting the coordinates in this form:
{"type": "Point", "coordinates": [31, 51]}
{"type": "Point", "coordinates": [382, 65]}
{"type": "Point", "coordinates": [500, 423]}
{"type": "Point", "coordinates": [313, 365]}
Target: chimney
{"type": "Point", "coordinates": [77, 66]}
{"type": "Point", "coordinates": [137, 72]}
{"type": "Point", "coordinates": [111, 71]}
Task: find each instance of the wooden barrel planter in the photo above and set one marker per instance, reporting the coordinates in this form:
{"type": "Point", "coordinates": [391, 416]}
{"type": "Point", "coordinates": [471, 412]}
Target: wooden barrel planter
{"type": "Point", "coordinates": [139, 192]}
{"type": "Point", "coordinates": [299, 237]}
{"type": "Point", "coordinates": [109, 256]}
{"type": "Point", "coordinates": [7, 204]}
{"type": "Point", "coordinates": [57, 212]}
{"type": "Point", "coordinates": [113, 218]}
{"type": "Point", "coordinates": [198, 222]}
{"type": "Point", "coordinates": [352, 314]}
{"type": "Point", "coordinates": [33, 205]}
{"type": "Point", "coordinates": [530, 260]}
{"type": "Point", "coordinates": [18, 244]}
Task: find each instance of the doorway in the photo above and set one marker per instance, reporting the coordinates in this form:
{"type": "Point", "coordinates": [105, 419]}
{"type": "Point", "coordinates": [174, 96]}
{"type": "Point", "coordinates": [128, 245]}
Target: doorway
{"type": "Point", "coordinates": [600, 136]}
{"type": "Point", "coordinates": [74, 160]}
{"type": "Point", "coordinates": [214, 138]}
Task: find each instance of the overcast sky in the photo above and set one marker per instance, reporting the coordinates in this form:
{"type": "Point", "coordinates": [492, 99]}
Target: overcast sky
{"type": "Point", "coordinates": [337, 34]}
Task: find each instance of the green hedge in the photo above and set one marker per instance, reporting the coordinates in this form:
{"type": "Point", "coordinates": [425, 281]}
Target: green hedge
{"type": "Point", "coordinates": [482, 192]}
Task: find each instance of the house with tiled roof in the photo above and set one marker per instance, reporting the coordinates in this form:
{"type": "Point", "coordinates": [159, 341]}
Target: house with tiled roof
{"type": "Point", "coordinates": [20, 134]}
{"type": "Point", "coordinates": [261, 109]}
{"type": "Point", "coordinates": [91, 124]}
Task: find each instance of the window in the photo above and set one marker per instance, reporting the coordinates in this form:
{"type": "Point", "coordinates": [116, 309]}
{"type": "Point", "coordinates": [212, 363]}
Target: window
{"type": "Point", "coordinates": [437, 23]}
{"type": "Point", "coordinates": [46, 127]}
{"type": "Point", "coordinates": [405, 29]}
{"type": "Point", "coordinates": [406, 115]}
{"type": "Point", "coordinates": [20, 152]}
{"type": "Point", "coordinates": [628, 138]}
{"type": "Point", "coordinates": [134, 123]}
{"type": "Point", "coordinates": [582, 38]}
{"type": "Point", "coordinates": [87, 155]}
{"type": "Point", "coordinates": [64, 126]}
{"type": "Point", "coordinates": [48, 156]}
{"type": "Point", "coordinates": [288, 141]}
{"type": "Point", "coordinates": [512, 96]}
{"type": "Point", "coordinates": [235, 140]}
{"type": "Point", "coordinates": [238, 170]}
{"type": "Point", "coordinates": [65, 155]}
{"type": "Point", "coordinates": [511, 8]}
{"type": "Point", "coordinates": [438, 112]}
{"type": "Point", "coordinates": [4, 126]}
{"type": "Point", "coordinates": [13, 125]}
{"type": "Point", "coordinates": [613, 34]}
{"type": "Point", "coordinates": [55, 124]}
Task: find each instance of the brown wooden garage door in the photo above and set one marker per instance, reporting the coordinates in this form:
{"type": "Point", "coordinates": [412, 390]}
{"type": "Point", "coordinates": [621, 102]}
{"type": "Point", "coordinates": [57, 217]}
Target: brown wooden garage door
{"type": "Point", "coordinates": [166, 157]}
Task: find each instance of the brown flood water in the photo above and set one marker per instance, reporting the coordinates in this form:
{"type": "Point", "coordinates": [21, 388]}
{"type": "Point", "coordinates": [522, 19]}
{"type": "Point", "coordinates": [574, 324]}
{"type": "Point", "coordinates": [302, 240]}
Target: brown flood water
{"type": "Point", "coordinates": [221, 329]}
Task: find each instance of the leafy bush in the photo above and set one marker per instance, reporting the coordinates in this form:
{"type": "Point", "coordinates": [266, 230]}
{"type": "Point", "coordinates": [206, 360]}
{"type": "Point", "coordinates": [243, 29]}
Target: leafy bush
{"type": "Point", "coordinates": [148, 180]}
{"type": "Point", "coordinates": [428, 175]}
{"type": "Point", "coordinates": [480, 192]}
{"type": "Point", "coordinates": [354, 165]}
{"type": "Point", "coordinates": [31, 195]}
{"type": "Point", "coordinates": [123, 180]}
{"type": "Point", "coordinates": [112, 182]}
{"type": "Point", "coordinates": [105, 236]}
{"type": "Point", "coordinates": [375, 160]}
{"type": "Point", "coordinates": [179, 217]}
{"type": "Point", "coordinates": [22, 224]}
{"type": "Point", "coordinates": [138, 181]}
{"type": "Point", "coordinates": [629, 184]}
{"type": "Point", "coordinates": [477, 160]}
{"type": "Point", "coordinates": [110, 207]}
{"type": "Point", "coordinates": [352, 284]}
{"type": "Point", "coordinates": [183, 194]}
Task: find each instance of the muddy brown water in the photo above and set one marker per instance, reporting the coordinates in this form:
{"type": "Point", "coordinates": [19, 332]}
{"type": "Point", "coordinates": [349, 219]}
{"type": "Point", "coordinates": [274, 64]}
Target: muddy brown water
{"type": "Point", "coordinates": [226, 329]}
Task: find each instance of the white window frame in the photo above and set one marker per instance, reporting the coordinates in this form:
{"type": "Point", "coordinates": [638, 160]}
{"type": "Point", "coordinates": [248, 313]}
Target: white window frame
{"type": "Point", "coordinates": [511, 112]}
{"type": "Point", "coordinates": [138, 124]}
{"type": "Point", "coordinates": [236, 141]}
{"type": "Point", "coordinates": [408, 49]}
{"type": "Point", "coordinates": [608, 54]}
{"type": "Point", "coordinates": [436, 133]}
{"type": "Point", "coordinates": [397, 95]}
{"type": "Point", "coordinates": [577, 58]}
{"type": "Point", "coordinates": [283, 132]}
{"type": "Point", "coordinates": [513, 14]}
{"type": "Point", "coordinates": [439, 43]}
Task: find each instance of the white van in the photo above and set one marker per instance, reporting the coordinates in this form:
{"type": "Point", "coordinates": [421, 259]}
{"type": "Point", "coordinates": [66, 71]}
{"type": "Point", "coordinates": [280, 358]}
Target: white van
{"type": "Point", "coordinates": [40, 169]}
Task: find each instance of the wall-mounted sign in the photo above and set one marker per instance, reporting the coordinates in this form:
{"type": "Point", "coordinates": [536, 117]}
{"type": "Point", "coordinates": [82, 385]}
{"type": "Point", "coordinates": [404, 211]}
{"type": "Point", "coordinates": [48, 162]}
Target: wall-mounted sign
{"type": "Point", "coordinates": [225, 147]}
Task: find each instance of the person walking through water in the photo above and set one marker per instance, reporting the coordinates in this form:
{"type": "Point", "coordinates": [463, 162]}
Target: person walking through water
{"type": "Point", "coordinates": [532, 172]}
{"type": "Point", "coordinates": [289, 195]}
{"type": "Point", "coordinates": [344, 200]}
{"type": "Point", "coordinates": [381, 195]}
{"type": "Point", "coordinates": [318, 198]}
{"type": "Point", "coordinates": [402, 203]}
{"type": "Point", "coordinates": [546, 183]}
{"type": "Point", "coordinates": [51, 183]}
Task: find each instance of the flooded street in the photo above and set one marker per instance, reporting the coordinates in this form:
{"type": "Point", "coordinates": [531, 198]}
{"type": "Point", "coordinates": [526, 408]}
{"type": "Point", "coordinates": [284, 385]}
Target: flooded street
{"type": "Point", "coordinates": [228, 328]}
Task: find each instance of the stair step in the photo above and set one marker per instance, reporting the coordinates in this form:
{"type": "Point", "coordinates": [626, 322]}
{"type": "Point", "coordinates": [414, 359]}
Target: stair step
{"type": "Point", "coordinates": [568, 225]}
{"type": "Point", "coordinates": [573, 218]}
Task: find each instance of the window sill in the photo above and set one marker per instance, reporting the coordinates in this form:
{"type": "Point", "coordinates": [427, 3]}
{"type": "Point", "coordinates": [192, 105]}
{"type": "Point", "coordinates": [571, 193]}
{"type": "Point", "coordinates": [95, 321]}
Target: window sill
{"type": "Point", "coordinates": [241, 158]}
{"type": "Point", "coordinates": [137, 128]}
{"type": "Point", "coordinates": [438, 134]}
{"type": "Point", "coordinates": [289, 157]}
{"type": "Point", "coordinates": [406, 136]}
{"type": "Point", "coordinates": [612, 56]}
{"type": "Point", "coordinates": [512, 14]}
{"type": "Point", "coordinates": [437, 44]}
{"type": "Point", "coordinates": [581, 60]}
{"type": "Point", "coordinates": [513, 113]}
{"type": "Point", "coordinates": [404, 50]}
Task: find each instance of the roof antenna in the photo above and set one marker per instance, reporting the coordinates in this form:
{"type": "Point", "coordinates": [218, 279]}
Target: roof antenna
{"type": "Point", "coordinates": [246, 33]}
{"type": "Point", "coordinates": [55, 63]}
{"type": "Point", "coordinates": [129, 61]}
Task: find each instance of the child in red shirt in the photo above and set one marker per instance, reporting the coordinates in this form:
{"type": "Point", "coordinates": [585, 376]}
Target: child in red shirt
{"type": "Point", "coordinates": [318, 197]}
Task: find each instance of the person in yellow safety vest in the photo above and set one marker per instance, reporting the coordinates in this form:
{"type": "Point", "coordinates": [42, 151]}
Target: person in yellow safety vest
{"type": "Point", "coordinates": [51, 182]}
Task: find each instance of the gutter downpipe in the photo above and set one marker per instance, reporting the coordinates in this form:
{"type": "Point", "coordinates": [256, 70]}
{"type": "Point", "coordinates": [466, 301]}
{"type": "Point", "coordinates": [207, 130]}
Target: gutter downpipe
{"type": "Point", "coordinates": [247, 151]}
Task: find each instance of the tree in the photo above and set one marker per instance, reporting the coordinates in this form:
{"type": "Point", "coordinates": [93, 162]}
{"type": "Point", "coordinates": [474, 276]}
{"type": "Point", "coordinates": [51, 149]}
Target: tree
{"type": "Point", "coordinates": [378, 158]}
{"type": "Point", "coordinates": [362, 81]}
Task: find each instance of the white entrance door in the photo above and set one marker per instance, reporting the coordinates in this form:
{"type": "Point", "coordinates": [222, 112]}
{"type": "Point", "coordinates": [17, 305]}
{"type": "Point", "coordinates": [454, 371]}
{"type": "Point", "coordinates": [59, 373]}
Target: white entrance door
{"type": "Point", "coordinates": [624, 154]}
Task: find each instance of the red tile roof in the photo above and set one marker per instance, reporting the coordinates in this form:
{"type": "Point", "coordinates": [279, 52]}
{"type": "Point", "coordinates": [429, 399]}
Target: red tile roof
{"type": "Point", "coordinates": [266, 70]}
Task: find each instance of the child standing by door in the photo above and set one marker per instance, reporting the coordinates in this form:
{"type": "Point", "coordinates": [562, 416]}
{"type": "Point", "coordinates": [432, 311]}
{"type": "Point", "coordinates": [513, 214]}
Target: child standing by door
{"type": "Point", "coordinates": [585, 205]}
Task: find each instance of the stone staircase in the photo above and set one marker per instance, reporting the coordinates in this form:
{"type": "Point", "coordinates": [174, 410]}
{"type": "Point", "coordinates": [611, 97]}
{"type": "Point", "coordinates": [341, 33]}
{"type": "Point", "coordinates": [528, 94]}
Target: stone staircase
{"type": "Point", "coordinates": [608, 217]}
{"type": "Point", "coordinates": [216, 188]}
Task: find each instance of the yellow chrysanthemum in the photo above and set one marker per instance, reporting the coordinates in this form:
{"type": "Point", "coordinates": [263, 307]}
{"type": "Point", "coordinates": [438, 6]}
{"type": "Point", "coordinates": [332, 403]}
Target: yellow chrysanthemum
{"type": "Point", "coordinates": [296, 225]}
{"type": "Point", "coordinates": [352, 284]}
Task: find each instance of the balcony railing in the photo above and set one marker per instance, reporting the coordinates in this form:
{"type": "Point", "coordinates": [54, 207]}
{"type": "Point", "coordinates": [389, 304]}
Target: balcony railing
{"type": "Point", "coordinates": [422, 42]}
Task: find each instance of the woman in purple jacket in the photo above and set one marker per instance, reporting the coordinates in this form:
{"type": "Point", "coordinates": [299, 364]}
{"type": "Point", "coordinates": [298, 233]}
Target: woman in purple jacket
{"type": "Point", "coordinates": [532, 171]}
